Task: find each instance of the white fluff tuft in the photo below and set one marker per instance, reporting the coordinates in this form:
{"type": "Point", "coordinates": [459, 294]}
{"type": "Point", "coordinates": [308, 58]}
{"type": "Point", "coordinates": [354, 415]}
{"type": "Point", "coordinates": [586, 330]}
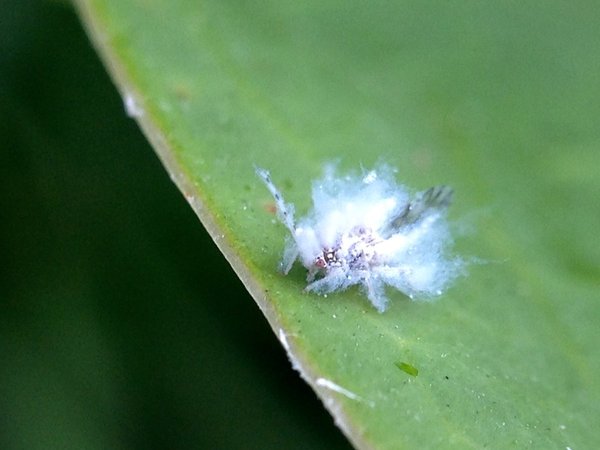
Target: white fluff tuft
{"type": "Point", "coordinates": [369, 231]}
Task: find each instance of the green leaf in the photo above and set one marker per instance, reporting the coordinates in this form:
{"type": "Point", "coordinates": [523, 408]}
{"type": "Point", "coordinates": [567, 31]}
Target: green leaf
{"type": "Point", "coordinates": [499, 101]}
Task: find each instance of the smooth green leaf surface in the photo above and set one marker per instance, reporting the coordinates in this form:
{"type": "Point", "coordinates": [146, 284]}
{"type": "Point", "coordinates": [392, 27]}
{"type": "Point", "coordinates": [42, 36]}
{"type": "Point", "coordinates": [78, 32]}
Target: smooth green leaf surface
{"type": "Point", "coordinates": [500, 101]}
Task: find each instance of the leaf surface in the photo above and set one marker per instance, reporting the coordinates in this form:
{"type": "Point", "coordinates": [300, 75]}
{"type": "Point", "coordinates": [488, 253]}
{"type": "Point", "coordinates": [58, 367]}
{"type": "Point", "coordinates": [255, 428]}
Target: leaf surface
{"type": "Point", "coordinates": [499, 101]}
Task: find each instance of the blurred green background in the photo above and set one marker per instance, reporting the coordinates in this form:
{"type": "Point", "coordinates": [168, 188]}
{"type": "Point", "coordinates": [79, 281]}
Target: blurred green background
{"type": "Point", "coordinates": [121, 325]}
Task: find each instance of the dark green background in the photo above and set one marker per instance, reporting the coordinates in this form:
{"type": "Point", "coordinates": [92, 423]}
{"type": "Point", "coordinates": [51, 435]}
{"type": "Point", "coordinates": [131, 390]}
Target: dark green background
{"type": "Point", "coordinates": [121, 325]}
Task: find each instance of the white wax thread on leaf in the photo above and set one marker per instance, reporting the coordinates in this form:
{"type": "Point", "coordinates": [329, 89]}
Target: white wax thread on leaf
{"type": "Point", "coordinates": [132, 108]}
{"type": "Point", "coordinates": [337, 388]}
{"type": "Point", "coordinates": [368, 231]}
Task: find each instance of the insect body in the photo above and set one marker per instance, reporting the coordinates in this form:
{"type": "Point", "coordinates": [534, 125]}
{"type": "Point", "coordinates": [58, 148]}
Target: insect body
{"type": "Point", "coordinates": [367, 231]}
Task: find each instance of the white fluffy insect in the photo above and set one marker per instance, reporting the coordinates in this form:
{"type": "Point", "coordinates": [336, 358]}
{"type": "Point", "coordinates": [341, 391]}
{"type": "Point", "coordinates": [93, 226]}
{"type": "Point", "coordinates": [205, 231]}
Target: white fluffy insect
{"type": "Point", "coordinates": [368, 231]}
